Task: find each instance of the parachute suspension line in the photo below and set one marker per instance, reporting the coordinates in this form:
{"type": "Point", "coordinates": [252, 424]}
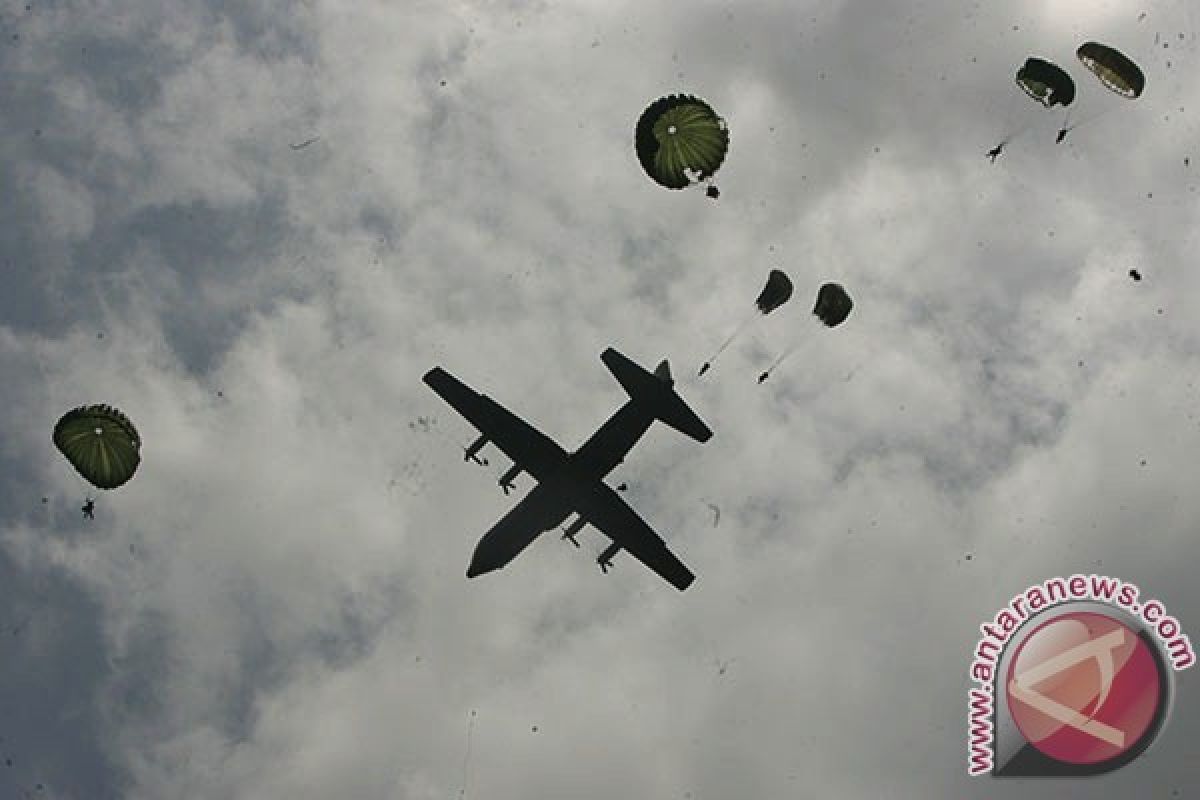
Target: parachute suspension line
{"type": "Point", "coordinates": [741, 327]}
{"type": "Point", "coordinates": [85, 488]}
{"type": "Point", "coordinates": [1010, 132]}
{"type": "Point", "coordinates": [41, 368]}
{"type": "Point", "coordinates": [467, 755]}
{"type": "Point", "coordinates": [1090, 119]}
{"type": "Point", "coordinates": [1010, 136]}
{"type": "Point", "coordinates": [784, 356]}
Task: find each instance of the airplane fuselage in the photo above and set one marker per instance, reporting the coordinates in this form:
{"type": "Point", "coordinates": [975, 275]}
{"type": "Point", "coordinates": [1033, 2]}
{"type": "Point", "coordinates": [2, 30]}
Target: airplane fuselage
{"type": "Point", "coordinates": [595, 458]}
{"type": "Point", "coordinates": [608, 446]}
{"type": "Point", "coordinates": [574, 482]}
{"type": "Point", "coordinates": [565, 479]}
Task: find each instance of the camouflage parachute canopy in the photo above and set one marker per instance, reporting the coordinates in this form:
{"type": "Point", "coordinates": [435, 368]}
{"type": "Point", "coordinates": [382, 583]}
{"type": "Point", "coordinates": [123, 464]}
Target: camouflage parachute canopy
{"type": "Point", "coordinates": [775, 293]}
{"type": "Point", "coordinates": [680, 140]}
{"type": "Point", "coordinates": [1113, 69]}
{"type": "Point", "coordinates": [101, 443]}
{"type": "Point", "coordinates": [1047, 83]}
{"type": "Point", "coordinates": [833, 305]}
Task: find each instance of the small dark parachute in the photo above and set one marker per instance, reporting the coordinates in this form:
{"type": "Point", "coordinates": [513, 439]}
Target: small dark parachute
{"type": "Point", "coordinates": [833, 305]}
{"type": "Point", "coordinates": [680, 140]}
{"type": "Point", "coordinates": [1047, 83]}
{"type": "Point", "coordinates": [1113, 68]}
{"type": "Point", "coordinates": [775, 293]}
{"type": "Point", "coordinates": [101, 443]}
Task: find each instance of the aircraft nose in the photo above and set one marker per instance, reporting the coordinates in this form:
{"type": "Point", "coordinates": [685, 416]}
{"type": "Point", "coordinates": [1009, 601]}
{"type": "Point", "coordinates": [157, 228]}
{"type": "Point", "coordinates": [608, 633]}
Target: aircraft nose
{"type": "Point", "coordinates": [482, 561]}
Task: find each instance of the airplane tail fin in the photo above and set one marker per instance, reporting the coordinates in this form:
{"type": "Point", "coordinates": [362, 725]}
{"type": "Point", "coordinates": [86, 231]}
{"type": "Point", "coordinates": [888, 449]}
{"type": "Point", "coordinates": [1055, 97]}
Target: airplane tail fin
{"type": "Point", "coordinates": [656, 392]}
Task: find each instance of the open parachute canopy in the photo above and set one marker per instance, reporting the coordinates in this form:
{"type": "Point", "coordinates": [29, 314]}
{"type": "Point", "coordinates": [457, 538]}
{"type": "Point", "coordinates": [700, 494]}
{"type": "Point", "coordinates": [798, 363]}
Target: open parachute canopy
{"type": "Point", "coordinates": [775, 293]}
{"type": "Point", "coordinates": [1113, 69]}
{"type": "Point", "coordinates": [833, 304]}
{"type": "Point", "coordinates": [101, 443]}
{"type": "Point", "coordinates": [1047, 83]}
{"type": "Point", "coordinates": [680, 140]}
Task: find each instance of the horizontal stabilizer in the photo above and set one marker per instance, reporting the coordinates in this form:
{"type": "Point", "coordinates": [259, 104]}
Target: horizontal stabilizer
{"type": "Point", "coordinates": [656, 393]}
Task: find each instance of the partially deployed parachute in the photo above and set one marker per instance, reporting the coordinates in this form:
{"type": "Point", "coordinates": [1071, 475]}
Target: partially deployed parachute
{"type": "Point", "coordinates": [101, 443]}
{"type": "Point", "coordinates": [1047, 83]}
{"type": "Point", "coordinates": [774, 294]}
{"type": "Point", "coordinates": [833, 305]}
{"type": "Point", "coordinates": [1113, 68]}
{"type": "Point", "coordinates": [680, 140]}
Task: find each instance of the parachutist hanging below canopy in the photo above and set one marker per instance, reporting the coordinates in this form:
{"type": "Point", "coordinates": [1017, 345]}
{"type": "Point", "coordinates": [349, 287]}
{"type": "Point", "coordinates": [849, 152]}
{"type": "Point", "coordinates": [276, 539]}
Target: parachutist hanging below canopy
{"type": "Point", "coordinates": [832, 308]}
{"type": "Point", "coordinates": [101, 444]}
{"type": "Point", "coordinates": [775, 293]}
{"type": "Point", "coordinates": [681, 141]}
{"type": "Point", "coordinates": [1048, 84]}
{"type": "Point", "coordinates": [1120, 75]}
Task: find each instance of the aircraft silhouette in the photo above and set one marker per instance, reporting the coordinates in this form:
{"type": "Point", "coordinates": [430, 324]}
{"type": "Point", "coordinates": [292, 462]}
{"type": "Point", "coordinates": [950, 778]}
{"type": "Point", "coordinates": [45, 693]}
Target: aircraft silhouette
{"type": "Point", "coordinates": [574, 482]}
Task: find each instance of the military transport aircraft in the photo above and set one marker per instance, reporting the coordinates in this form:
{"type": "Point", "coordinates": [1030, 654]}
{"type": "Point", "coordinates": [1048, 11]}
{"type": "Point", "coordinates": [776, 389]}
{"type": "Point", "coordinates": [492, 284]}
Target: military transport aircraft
{"type": "Point", "coordinates": [573, 482]}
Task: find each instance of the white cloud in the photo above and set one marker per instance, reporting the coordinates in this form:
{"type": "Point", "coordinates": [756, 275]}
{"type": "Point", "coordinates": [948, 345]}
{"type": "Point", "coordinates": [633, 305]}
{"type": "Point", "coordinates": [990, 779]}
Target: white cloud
{"type": "Point", "coordinates": [280, 592]}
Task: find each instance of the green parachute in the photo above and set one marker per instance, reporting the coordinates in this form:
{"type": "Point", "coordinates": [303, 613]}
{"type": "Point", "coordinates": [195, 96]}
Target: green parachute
{"type": "Point", "coordinates": [1113, 68]}
{"type": "Point", "coordinates": [680, 141]}
{"type": "Point", "coordinates": [101, 443]}
{"type": "Point", "coordinates": [1047, 83]}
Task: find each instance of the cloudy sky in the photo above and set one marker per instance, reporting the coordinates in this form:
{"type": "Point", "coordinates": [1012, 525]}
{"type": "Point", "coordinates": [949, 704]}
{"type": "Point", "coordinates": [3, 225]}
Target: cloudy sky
{"type": "Point", "coordinates": [276, 607]}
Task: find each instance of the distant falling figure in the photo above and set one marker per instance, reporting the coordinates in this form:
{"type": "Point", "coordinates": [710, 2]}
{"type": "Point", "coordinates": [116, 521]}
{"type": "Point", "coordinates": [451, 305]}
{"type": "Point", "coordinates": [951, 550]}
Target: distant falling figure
{"type": "Point", "coordinates": [1066, 128]}
{"type": "Point", "coordinates": [101, 444]}
{"type": "Point", "coordinates": [832, 308]}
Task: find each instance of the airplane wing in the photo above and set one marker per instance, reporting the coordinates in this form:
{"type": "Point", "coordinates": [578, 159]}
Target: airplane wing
{"type": "Point", "coordinates": [529, 448]}
{"type": "Point", "coordinates": [605, 510]}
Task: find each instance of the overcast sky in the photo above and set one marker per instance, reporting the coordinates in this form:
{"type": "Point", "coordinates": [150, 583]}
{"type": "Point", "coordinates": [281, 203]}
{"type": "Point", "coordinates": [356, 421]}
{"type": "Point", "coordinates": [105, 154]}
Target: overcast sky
{"type": "Point", "coordinates": [275, 606]}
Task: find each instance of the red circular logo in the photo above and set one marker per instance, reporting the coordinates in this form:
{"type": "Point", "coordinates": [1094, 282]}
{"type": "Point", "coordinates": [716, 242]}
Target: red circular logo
{"type": "Point", "coordinates": [1083, 688]}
